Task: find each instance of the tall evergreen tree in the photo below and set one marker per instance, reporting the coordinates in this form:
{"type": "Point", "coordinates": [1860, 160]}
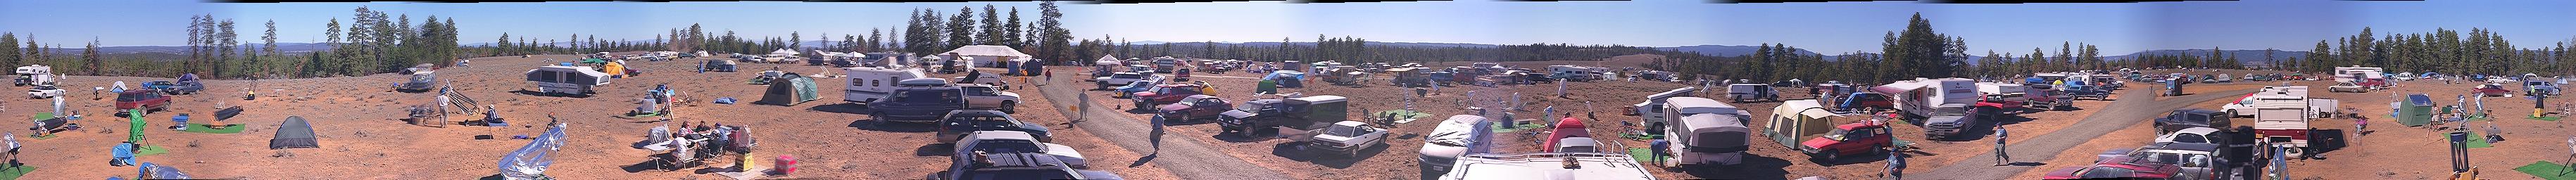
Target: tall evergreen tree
{"type": "Point", "coordinates": [9, 51]}
{"type": "Point", "coordinates": [961, 29]}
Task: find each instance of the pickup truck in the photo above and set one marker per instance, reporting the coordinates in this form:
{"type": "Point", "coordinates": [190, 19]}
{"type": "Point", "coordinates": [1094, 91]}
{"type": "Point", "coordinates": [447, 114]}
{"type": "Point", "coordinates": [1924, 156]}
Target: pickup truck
{"type": "Point", "coordinates": [957, 123]}
{"type": "Point", "coordinates": [1014, 142]}
{"type": "Point", "coordinates": [1119, 78]}
{"type": "Point", "coordinates": [175, 88]}
{"type": "Point", "coordinates": [1348, 137]}
{"type": "Point", "coordinates": [985, 96]}
{"type": "Point", "coordinates": [44, 91]}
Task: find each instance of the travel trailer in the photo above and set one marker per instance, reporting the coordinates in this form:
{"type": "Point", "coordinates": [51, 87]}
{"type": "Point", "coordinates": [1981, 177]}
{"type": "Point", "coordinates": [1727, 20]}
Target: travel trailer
{"type": "Point", "coordinates": [871, 83]}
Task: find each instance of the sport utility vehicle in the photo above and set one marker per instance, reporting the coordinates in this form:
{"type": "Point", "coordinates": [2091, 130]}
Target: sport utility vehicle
{"type": "Point", "coordinates": [147, 99]}
{"type": "Point", "coordinates": [917, 104]}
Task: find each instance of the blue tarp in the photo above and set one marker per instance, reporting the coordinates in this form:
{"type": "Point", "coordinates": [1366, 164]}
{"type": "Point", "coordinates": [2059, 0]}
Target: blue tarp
{"type": "Point", "coordinates": [530, 162]}
{"type": "Point", "coordinates": [156, 171]}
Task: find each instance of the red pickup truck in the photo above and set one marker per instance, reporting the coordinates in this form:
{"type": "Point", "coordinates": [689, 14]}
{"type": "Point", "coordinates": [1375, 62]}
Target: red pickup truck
{"type": "Point", "coordinates": [146, 99]}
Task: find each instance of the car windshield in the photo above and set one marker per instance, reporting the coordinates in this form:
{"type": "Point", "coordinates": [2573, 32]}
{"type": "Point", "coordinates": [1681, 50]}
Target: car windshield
{"type": "Point", "coordinates": [923, 96]}
{"type": "Point", "coordinates": [1009, 146]}
{"type": "Point", "coordinates": [1950, 111]}
{"type": "Point", "coordinates": [1017, 174]}
{"type": "Point", "coordinates": [2190, 138]}
{"type": "Point", "coordinates": [978, 120]}
{"type": "Point", "coordinates": [131, 97]}
{"type": "Point", "coordinates": [1345, 131]}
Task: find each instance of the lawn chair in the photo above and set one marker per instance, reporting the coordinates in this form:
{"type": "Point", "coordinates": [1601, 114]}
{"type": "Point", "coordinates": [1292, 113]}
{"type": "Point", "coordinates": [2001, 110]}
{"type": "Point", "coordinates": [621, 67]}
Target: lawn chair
{"type": "Point", "coordinates": [682, 154]}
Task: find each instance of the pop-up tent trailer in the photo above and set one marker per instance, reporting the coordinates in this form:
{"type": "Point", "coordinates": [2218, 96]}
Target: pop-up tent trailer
{"type": "Point", "coordinates": [567, 79]}
{"type": "Point", "coordinates": [789, 90]}
{"type": "Point", "coordinates": [294, 133]}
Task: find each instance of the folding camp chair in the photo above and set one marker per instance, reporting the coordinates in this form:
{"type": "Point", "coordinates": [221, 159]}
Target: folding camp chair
{"type": "Point", "coordinates": [682, 155]}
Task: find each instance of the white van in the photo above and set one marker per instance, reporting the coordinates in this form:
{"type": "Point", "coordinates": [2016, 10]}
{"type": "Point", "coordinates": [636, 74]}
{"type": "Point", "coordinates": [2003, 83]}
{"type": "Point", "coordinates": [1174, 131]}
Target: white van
{"type": "Point", "coordinates": [872, 83]}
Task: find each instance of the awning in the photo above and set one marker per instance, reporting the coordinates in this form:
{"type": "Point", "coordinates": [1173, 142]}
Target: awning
{"type": "Point", "coordinates": [1899, 87]}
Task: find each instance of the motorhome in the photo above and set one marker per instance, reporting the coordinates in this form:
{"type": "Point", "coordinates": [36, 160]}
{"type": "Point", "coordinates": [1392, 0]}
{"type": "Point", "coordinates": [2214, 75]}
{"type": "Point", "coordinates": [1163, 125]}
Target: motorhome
{"type": "Point", "coordinates": [1575, 73]}
{"type": "Point", "coordinates": [1941, 104]}
{"type": "Point", "coordinates": [560, 79]}
{"type": "Point", "coordinates": [868, 84]}
{"type": "Point", "coordinates": [1165, 64]}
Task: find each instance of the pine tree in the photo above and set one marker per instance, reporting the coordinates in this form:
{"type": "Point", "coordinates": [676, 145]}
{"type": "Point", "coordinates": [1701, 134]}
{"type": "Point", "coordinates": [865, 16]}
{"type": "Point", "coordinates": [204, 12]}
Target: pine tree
{"type": "Point", "coordinates": [991, 31]}
{"type": "Point", "coordinates": [1054, 44]}
{"type": "Point", "coordinates": [9, 50]}
{"type": "Point", "coordinates": [1012, 33]}
{"type": "Point", "coordinates": [90, 55]}
{"type": "Point", "coordinates": [961, 29]}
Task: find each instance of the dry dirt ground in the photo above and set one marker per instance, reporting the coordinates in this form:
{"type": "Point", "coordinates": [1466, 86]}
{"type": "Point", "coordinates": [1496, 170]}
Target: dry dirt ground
{"type": "Point", "coordinates": [1599, 103]}
{"type": "Point", "coordinates": [356, 119]}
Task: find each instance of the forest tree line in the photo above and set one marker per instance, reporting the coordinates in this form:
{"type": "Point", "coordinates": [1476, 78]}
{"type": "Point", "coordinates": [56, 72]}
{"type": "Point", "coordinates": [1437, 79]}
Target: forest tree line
{"type": "Point", "coordinates": [2444, 50]}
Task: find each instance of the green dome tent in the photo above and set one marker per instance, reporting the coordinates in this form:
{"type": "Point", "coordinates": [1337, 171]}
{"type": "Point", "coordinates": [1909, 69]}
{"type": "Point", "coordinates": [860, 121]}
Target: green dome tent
{"type": "Point", "coordinates": [789, 89]}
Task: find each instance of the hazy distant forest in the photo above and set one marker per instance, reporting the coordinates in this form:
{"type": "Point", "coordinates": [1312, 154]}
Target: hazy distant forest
{"type": "Point", "coordinates": [375, 42]}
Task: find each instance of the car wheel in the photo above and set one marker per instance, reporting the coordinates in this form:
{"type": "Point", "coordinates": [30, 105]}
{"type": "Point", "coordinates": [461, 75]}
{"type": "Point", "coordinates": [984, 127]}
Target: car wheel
{"type": "Point", "coordinates": [1829, 156]}
{"type": "Point", "coordinates": [1010, 107]}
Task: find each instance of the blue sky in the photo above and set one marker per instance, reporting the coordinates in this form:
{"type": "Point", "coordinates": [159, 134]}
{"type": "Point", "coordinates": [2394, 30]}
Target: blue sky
{"type": "Point", "coordinates": [1830, 28]}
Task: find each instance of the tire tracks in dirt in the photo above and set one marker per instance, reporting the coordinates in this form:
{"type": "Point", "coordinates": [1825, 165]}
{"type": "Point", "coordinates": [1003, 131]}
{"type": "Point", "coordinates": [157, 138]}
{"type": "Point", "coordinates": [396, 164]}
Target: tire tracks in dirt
{"type": "Point", "coordinates": [1193, 159]}
{"type": "Point", "coordinates": [2133, 107]}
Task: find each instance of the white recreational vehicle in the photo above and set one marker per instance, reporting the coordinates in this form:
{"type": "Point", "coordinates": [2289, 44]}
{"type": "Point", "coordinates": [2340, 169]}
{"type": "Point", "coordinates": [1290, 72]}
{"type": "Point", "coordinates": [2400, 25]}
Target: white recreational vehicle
{"type": "Point", "coordinates": [872, 83]}
{"type": "Point", "coordinates": [567, 79]}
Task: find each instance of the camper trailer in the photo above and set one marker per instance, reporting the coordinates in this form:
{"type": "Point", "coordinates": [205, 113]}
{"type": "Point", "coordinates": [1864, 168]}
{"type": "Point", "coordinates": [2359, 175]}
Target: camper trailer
{"type": "Point", "coordinates": [37, 74]}
{"type": "Point", "coordinates": [561, 79]}
{"type": "Point", "coordinates": [868, 84]}
{"type": "Point", "coordinates": [1941, 104]}
{"type": "Point", "coordinates": [1165, 64]}
{"type": "Point", "coordinates": [1710, 139]}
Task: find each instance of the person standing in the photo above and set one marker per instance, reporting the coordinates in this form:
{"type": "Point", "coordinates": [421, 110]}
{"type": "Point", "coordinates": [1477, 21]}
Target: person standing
{"type": "Point", "coordinates": [1157, 136]}
{"type": "Point", "coordinates": [1895, 162]}
{"type": "Point", "coordinates": [2002, 157]}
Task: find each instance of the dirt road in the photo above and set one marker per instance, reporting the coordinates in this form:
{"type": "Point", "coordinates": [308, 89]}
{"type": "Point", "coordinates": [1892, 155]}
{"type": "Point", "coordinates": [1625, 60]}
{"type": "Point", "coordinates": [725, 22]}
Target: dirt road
{"type": "Point", "coordinates": [2137, 105]}
{"type": "Point", "coordinates": [1193, 159]}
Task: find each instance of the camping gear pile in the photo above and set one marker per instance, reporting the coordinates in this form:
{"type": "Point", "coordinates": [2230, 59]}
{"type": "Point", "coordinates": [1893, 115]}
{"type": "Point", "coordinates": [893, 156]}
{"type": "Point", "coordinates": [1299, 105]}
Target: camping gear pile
{"type": "Point", "coordinates": [690, 145]}
{"type": "Point", "coordinates": [767, 75]}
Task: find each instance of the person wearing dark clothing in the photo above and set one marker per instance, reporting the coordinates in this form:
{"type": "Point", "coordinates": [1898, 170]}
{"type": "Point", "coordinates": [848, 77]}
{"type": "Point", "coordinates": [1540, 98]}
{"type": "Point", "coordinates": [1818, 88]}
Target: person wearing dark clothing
{"type": "Point", "coordinates": [1658, 146]}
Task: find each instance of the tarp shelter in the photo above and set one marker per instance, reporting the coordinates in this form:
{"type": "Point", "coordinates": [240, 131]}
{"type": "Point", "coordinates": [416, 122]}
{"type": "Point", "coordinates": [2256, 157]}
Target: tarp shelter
{"type": "Point", "coordinates": [2417, 110]}
{"type": "Point", "coordinates": [988, 55]}
{"type": "Point", "coordinates": [1107, 60]}
{"type": "Point", "coordinates": [530, 161]}
{"type": "Point", "coordinates": [789, 90]}
{"type": "Point", "coordinates": [1794, 120]}
{"type": "Point", "coordinates": [294, 133]}
{"type": "Point", "coordinates": [783, 53]}
{"type": "Point", "coordinates": [594, 61]}
{"type": "Point", "coordinates": [1286, 78]}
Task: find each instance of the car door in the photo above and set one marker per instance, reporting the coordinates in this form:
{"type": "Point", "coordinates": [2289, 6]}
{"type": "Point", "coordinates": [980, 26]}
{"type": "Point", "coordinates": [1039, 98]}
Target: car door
{"type": "Point", "coordinates": [980, 96]}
